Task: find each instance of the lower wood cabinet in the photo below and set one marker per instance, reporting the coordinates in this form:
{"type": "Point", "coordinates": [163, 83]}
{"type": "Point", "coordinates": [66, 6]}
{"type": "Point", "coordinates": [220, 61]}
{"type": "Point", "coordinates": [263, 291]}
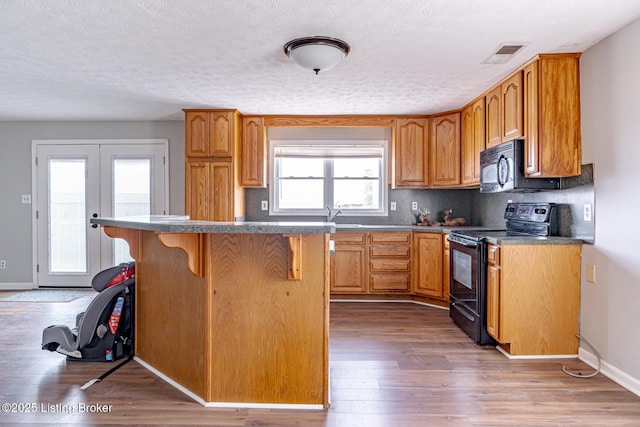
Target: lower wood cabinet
{"type": "Point", "coordinates": [210, 191]}
{"type": "Point", "coordinates": [533, 298]}
{"type": "Point", "coordinates": [348, 267]}
{"type": "Point", "coordinates": [390, 262]}
{"type": "Point", "coordinates": [427, 265]}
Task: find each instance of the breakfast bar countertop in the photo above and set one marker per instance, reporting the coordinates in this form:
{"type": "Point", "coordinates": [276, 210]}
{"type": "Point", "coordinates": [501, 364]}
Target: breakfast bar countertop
{"type": "Point", "coordinates": [182, 224]}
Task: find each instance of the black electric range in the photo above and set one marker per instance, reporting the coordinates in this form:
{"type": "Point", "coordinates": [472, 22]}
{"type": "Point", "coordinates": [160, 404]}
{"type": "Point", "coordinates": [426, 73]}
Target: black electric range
{"type": "Point", "coordinates": [468, 255]}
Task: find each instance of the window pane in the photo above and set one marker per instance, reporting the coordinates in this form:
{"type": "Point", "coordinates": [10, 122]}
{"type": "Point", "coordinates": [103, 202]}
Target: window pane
{"type": "Point", "coordinates": [68, 217]}
{"type": "Point", "coordinates": [301, 194]}
{"type": "Point", "coordinates": [300, 167]}
{"type": "Point", "coordinates": [131, 196]}
{"type": "Point", "coordinates": [356, 193]}
{"type": "Point", "coordinates": [356, 167]}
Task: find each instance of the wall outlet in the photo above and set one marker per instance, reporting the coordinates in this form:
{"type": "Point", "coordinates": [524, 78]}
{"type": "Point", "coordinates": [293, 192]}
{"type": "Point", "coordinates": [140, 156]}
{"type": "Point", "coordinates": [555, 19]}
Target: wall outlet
{"type": "Point", "coordinates": [264, 205]}
{"type": "Point", "coordinates": [414, 206]}
{"type": "Point", "coordinates": [591, 273]}
{"type": "Point", "coordinates": [26, 199]}
{"type": "Point", "coordinates": [3, 264]}
{"type": "Point", "coordinates": [393, 206]}
{"type": "Point", "coordinates": [587, 212]}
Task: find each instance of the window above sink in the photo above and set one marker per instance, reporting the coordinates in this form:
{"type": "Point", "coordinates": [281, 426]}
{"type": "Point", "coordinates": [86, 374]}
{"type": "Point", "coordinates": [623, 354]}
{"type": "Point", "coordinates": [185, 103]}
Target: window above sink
{"type": "Point", "coordinates": [309, 176]}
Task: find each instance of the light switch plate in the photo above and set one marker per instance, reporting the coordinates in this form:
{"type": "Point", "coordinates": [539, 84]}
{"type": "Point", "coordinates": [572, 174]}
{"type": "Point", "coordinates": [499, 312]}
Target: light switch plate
{"type": "Point", "coordinates": [591, 273]}
{"type": "Point", "coordinates": [393, 206]}
{"type": "Point", "coordinates": [264, 205]}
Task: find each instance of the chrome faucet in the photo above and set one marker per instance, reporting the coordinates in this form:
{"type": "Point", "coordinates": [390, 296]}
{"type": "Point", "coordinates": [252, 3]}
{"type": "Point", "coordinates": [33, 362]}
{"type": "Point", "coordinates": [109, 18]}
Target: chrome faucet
{"type": "Point", "coordinates": [332, 213]}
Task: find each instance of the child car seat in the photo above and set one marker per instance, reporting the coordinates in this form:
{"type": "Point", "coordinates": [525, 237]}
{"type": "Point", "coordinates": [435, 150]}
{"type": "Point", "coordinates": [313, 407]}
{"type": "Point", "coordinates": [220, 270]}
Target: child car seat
{"type": "Point", "coordinates": [104, 332]}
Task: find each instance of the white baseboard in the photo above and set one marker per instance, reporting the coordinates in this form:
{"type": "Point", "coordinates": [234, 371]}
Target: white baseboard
{"type": "Point", "coordinates": [625, 380]}
{"type": "Point", "coordinates": [225, 404]}
{"type": "Point", "coordinates": [26, 286]}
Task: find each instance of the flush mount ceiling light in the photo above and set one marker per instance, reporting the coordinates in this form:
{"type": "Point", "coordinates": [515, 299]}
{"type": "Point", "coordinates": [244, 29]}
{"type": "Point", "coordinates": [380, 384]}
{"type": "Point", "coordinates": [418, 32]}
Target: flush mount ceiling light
{"type": "Point", "coordinates": [317, 53]}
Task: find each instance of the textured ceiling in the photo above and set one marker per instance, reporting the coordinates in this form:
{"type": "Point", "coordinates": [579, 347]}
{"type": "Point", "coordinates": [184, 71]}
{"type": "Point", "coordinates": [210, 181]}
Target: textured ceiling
{"type": "Point", "coordinates": [148, 59]}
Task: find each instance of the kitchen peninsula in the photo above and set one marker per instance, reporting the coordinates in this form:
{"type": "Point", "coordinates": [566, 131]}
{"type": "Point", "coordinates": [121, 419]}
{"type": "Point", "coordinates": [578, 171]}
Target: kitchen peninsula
{"type": "Point", "coordinates": [232, 313]}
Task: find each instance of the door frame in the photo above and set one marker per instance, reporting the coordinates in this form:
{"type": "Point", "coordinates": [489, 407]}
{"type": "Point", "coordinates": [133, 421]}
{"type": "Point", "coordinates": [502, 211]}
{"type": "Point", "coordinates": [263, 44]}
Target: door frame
{"type": "Point", "coordinates": [34, 182]}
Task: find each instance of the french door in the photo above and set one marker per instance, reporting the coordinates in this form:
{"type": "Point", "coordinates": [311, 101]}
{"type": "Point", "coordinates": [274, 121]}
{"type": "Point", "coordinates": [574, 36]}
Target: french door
{"type": "Point", "coordinates": [77, 181]}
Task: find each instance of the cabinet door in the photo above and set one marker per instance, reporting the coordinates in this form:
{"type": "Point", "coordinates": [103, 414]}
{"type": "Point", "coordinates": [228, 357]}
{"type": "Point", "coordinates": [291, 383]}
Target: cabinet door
{"type": "Point", "coordinates": [445, 150]}
{"type": "Point", "coordinates": [493, 301]}
{"type": "Point", "coordinates": [348, 274]}
{"type": "Point", "coordinates": [221, 192]}
{"type": "Point", "coordinates": [221, 134]}
{"type": "Point", "coordinates": [197, 178]}
{"type": "Point", "coordinates": [427, 265]}
{"type": "Point", "coordinates": [473, 142]}
{"type": "Point", "coordinates": [410, 153]}
{"type": "Point", "coordinates": [254, 150]}
{"type": "Point", "coordinates": [196, 134]}
{"type": "Point", "coordinates": [512, 116]}
{"type": "Point", "coordinates": [531, 162]}
{"type": "Point", "coordinates": [209, 191]}
{"type": "Point", "coordinates": [493, 117]}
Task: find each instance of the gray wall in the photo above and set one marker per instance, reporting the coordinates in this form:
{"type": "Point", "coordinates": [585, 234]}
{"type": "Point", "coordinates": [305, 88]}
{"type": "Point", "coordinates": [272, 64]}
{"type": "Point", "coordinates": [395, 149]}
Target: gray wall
{"type": "Point", "coordinates": [15, 177]}
{"type": "Point", "coordinates": [610, 90]}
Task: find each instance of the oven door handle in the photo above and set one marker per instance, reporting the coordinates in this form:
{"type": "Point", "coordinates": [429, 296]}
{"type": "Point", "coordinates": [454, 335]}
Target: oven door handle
{"type": "Point", "coordinates": [463, 243]}
{"type": "Point", "coordinates": [459, 310]}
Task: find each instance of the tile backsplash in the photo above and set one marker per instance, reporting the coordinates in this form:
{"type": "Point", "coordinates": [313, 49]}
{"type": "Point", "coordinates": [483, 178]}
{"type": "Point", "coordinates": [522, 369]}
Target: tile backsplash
{"type": "Point", "coordinates": [479, 209]}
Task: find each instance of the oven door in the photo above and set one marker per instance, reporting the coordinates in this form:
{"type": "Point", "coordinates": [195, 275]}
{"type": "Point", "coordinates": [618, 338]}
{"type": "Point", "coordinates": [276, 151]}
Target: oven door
{"type": "Point", "coordinates": [464, 273]}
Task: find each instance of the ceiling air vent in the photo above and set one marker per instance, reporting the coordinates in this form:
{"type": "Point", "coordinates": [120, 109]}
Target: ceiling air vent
{"type": "Point", "coordinates": [503, 54]}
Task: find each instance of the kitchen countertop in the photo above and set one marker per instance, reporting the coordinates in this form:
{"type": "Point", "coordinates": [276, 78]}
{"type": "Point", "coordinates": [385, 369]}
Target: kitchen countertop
{"type": "Point", "coordinates": [498, 238]}
{"type": "Point", "coordinates": [182, 224]}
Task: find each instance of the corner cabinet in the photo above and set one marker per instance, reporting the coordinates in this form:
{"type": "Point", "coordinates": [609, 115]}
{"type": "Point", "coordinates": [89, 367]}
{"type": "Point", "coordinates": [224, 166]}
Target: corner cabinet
{"type": "Point", "coordinates": [533, 298]}
{"type": "Point", "coordinates": [472, 142]}
{"type": "Point", "coordinates": [253, 170]}
{"type": "Point", "coordinates": [444, 150]}
{"type": "Point", "coordinates": [552, 116]}
{"type": "Point", "coordinates": [212, 190]}
{"type": "Point", "coordinates": [410, 153]}
{"type": "Point", "coordinates": [427, 265]}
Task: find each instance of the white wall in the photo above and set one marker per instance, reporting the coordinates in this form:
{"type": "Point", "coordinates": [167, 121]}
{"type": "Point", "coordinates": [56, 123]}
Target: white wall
{"type": "Point", "coordinates": [15, 178]}
{"type": "Point", "coordinates": [610, 102]}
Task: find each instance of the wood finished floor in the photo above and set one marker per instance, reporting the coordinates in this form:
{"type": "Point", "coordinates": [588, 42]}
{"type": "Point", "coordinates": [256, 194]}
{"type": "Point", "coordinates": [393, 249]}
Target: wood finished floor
{"type": "Point", "coordinates": [392, 364]}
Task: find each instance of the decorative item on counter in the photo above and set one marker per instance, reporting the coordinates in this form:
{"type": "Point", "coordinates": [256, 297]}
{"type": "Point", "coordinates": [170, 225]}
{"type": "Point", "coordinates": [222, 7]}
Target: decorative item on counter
{"type": "Point", "coordinates": [424, 218]}
{"type": "Point", "coordinates": [455, 222]}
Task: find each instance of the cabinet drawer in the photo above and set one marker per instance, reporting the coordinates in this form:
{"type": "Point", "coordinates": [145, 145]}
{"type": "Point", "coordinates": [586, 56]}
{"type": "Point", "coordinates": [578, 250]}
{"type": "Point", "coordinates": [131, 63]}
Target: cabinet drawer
{"type": "Point", "coordinates": [493, 254]}
{"type": "Point", "coordinates": [349, 238]}
{"type": "Point", "coordinates": [390, 237]}
{"type": "Point", "coordinates": [389, 282]}
{"type": "Point", "coordinates": [390, 251]}
{"type": "Point", "coordinates": [390, 265]}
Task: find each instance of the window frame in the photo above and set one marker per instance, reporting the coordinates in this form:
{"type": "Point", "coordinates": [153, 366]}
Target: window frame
{"type": "Point", "coordinates": [328, 179]}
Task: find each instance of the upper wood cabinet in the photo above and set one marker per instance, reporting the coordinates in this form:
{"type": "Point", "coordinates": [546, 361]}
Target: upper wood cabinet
{"type": "Point", "coordinates": [253, 170]}
{"type": "Point", "coordinates": [212, 190]}
{"type": "Point", "coordinates": [473, 141]}
{"type": "Point", "coordinates": [410, 150]}
{"type": "Point", "coordinates": [444, 150]}
{"type": "Point", "coordinates": [552, 116]}
{"type": "Point", "coordinates": [427, 265]}
{"type": "Point", "coordinates": [512, 117]}
{"type": "Point", "coordinates": [494, 116]}
{"type": "Point", "coordinates": [504, 115]}
{"type": "Point", "coordinates": [210, 133]}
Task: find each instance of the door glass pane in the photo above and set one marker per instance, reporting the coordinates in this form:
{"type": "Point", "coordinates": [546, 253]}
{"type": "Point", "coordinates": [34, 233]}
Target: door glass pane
{"type": "Point", "coordinates": [131, 196]}
{"type": "Point", "coordinates": [67, 216]}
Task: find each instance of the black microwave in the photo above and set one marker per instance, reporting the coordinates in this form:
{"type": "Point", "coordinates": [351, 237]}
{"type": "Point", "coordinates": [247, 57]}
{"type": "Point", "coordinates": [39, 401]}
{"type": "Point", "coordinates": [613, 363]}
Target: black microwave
{"type": "Point", "coordinates": [502, 169]}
